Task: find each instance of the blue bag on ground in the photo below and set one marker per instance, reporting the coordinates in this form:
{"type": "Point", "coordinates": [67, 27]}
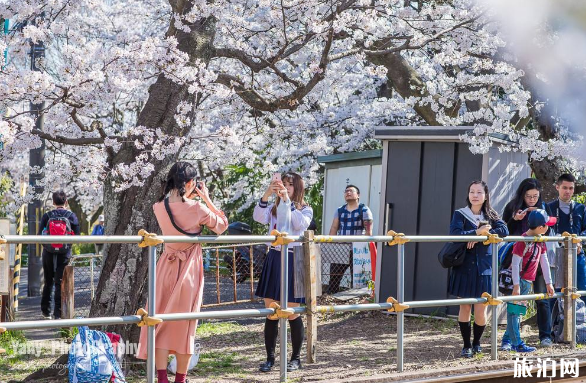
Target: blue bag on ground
{"type": "Point", "coordinates": [558, 320]}
{"type": "Point", "coordinates": [92, 359]}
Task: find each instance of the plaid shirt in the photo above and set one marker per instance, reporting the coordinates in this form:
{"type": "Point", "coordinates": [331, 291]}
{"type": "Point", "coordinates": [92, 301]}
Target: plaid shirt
{"type": "Point", "coordinates": [351, 222]}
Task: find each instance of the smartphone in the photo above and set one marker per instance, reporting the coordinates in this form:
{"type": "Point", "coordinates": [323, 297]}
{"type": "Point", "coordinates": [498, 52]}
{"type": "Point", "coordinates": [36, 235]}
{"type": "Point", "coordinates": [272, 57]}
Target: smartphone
{"type": "Point", "coordinates": [276, 177]}
{"type": "Point", "coordinates": [482, 223]}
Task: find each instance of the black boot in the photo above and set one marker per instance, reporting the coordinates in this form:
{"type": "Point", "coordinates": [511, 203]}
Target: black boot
{"type": "Point", "coordinates": [297, 335]}
{"type": "Point", "coordinates": [271, 332]}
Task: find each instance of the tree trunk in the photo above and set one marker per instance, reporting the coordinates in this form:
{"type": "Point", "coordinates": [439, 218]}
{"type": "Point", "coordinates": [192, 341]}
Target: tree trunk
{"type": "Point", "coordinates": [75, 207]}
{"type": "Point", "coordinates": [122, 288]}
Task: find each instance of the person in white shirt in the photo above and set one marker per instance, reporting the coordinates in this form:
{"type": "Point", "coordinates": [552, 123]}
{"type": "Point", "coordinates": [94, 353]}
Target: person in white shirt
{"type": "Point", "coordinates": [289, 191]}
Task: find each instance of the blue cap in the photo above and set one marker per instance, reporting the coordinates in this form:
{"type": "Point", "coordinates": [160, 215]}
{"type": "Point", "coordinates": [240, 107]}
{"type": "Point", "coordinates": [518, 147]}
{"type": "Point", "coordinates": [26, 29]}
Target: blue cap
{"type": "Point", "coordinates": [539, 217]}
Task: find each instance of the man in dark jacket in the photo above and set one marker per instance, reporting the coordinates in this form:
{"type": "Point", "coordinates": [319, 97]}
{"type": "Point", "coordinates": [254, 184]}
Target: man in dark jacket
{"type": "Point", "coordinates": [571, 217]}
{"type": "Point", "coordinates": [56, 256]}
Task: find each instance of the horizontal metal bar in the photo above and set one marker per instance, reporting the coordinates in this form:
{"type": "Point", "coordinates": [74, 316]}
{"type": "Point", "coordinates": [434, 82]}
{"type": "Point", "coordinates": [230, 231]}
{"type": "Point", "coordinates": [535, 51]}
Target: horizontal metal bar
{"type": "Point", "coordinates": [76, 257]}
{"type": "Point", "coordinates": [224, 239]}
{"type": "Point", "coordinates": [57, 323]}
{"type": "Point", "coordinates": [528, 297]}
{"type": "Point", "coordinates": [249, 313]}
{"type": "Point", "coordinates": [32, 239]}
{"type": "Point", "coordinates": [218, 314]}
{"type": "Point", "coordinates": [234, 245]}
{"type": "Point", "coordinates": [356, 307]}
{"type": "Point", "coordinates": [352, 238]}
{"type": "Point", "coordinates": [244, 240]}
{"type": "Point", "coordinates": [445, 302]}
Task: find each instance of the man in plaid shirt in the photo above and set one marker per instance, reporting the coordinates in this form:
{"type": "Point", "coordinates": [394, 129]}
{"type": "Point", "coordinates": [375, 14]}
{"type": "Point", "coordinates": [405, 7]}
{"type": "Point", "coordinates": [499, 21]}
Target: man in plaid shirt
{"type": "Point", "coordinates": [353, 218]}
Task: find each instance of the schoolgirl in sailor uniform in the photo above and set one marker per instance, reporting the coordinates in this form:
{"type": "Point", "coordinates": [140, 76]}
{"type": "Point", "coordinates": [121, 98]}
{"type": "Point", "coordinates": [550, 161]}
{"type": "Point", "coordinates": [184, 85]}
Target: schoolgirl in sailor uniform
{"type": "Point", "coordinates": [290, 191]}
{"type": "Point", "coordinates": [473, 276]}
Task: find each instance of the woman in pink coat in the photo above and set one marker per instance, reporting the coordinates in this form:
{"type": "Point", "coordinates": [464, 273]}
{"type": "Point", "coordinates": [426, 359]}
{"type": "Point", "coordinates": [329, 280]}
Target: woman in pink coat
{"type": "Point", "coordinates": [180, 268]}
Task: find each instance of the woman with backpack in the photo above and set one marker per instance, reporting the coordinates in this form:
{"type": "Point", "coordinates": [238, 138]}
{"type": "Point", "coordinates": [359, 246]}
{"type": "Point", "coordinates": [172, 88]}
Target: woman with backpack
{"type": "Point", "coordinates": [527, 199]}
{"type": "Point", "coordinates": [473, 276]}
{"type": "Point", "coordinates": [291, 214]}
{"type": "Point", "coordinates": [179, 286]}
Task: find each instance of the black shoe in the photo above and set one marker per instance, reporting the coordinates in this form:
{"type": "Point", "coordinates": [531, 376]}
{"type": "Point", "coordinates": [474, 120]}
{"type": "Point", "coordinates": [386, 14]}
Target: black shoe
{"type": "Point", "coordinates": [477, 349]}
{"type": "Point", "coordinates": [293, 365]}
{"type": "Point", "coordinates": [45, 314]}
{"type": "Point", "coordinates": [466, 353]}
{"type": "Point", "coordinates": [266, 366]}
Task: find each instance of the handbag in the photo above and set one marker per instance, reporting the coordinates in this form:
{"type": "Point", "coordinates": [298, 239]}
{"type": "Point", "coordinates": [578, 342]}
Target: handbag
{"type": "Point", "coordinates": [452, 254]}
{"type": "Point", "coordinates": [92, 359]}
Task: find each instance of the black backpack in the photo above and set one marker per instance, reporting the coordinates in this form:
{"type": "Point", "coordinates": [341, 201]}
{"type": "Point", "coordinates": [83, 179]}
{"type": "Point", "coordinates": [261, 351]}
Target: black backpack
{"type": "Point", "coordinates": [505, 272]}
{"type": "Point", "coordinates": [59, 223]}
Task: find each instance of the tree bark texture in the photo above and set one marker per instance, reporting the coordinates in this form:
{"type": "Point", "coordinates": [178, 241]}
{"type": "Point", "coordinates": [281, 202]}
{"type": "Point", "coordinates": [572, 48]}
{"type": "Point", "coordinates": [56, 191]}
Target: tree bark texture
{"type": "Point", "coordinates": [122, 288]}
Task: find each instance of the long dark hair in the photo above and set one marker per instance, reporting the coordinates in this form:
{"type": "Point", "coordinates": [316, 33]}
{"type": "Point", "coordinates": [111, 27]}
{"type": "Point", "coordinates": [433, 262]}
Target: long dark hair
{"type": "Point", "coordinates": [487, 210]}
{"type": "Point", "coordinates": [298, 191]}
{"type": "Point", "coordinates": [518, 202]}
{"type": "Point", "coordinates": [179, 174]}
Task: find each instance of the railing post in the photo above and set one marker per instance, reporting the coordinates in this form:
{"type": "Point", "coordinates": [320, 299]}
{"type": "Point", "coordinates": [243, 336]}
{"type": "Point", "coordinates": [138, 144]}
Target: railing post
{"type": "Point", "coordinates": [92, 260]}
{"type": "Point", "coordinates": [152, 310]}
{"type": "Point", "coordinates": [400, 299]}
{"type": "Point", "coordinates": [234, 274]}
{"type": "Point", "coordinates": [283, 321]}
{"type": "Point", "coordinates": [67, 293]}
{"type": "Point", "coordinates": [494, 309]}
{"type": "Point", "coordinates": [251, 273]}
{"type": "Point", "coordinates": [218, 274]}
{"type": "Point", "coordinates": [310, 294]}
{"type": "Point", "coordinates": [574, 253]}
{"type": "Point", "coordinates": [569, 285]}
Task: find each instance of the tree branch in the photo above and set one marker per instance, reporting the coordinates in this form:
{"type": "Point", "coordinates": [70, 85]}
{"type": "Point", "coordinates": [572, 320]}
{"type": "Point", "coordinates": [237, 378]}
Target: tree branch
{"type": "Point", "coordinates": [69, 141]}
{"type": "Point", "coordinates": [291, 101]}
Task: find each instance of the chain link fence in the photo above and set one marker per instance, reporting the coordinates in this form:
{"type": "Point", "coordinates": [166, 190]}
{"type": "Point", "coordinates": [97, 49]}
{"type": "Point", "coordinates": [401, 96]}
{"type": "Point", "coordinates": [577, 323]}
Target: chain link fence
{"type": "Point", "coordinates": [86, 271]}
{"type": "Point", "coordinates": [336, 270]}
{"type": "Point", "coordinates": [234, 270]}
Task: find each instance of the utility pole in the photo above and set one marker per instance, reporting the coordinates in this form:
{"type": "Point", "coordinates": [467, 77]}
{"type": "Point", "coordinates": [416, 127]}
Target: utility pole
{"type": "Point", "coordinates": [35, 208]}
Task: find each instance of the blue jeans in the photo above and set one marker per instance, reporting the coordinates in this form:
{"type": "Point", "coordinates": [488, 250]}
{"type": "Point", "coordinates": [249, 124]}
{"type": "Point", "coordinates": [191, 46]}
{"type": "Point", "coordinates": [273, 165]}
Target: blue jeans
{"type": "Point", "coordinates": [581, 261]}
{"type": "Point", "coordinates": [544, 307]}
{"type": "Point", "coordinates": [513, 332]}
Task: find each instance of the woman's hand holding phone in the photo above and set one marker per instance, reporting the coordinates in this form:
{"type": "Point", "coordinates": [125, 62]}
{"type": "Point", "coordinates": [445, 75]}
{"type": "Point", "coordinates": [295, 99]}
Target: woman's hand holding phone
{"type": "Point", "coordinates": [520, 214]}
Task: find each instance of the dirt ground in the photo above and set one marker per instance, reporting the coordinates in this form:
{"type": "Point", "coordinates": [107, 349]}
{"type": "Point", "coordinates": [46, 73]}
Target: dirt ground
{"type": "Point", "coordinates": [350, 345]}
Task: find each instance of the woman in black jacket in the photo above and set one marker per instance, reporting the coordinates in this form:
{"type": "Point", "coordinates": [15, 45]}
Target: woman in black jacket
{"type": "Point", "coordinates": [473, 276]}
{"type": "Point", "coordinates": [527, 198]}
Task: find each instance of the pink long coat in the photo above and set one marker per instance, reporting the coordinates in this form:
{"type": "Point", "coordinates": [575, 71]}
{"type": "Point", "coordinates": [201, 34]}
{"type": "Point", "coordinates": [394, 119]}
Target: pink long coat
{"type": "Point", "coordinates": [179, 287]}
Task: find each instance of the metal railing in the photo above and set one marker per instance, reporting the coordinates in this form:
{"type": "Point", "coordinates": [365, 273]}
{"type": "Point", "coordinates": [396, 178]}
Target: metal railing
{"type": "Point", "coordinates": [397, 305]}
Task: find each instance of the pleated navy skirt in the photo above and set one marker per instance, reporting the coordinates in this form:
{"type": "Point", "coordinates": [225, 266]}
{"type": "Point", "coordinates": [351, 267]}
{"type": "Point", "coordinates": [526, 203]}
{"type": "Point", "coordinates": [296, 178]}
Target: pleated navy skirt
{"type": "Point", "coordinates": [465, 281]}
{"type": "Point", "coordinates": [269, 283]}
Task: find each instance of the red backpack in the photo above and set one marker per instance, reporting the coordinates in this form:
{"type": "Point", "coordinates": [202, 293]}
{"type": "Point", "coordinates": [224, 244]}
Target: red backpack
{"type": "Point", "coordinates": [59, 224]}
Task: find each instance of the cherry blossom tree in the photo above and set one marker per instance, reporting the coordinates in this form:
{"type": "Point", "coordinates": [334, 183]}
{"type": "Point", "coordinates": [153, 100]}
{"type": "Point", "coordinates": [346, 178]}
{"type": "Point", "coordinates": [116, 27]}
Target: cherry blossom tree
{"type": "Point", "coordinates": [130, 86]}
